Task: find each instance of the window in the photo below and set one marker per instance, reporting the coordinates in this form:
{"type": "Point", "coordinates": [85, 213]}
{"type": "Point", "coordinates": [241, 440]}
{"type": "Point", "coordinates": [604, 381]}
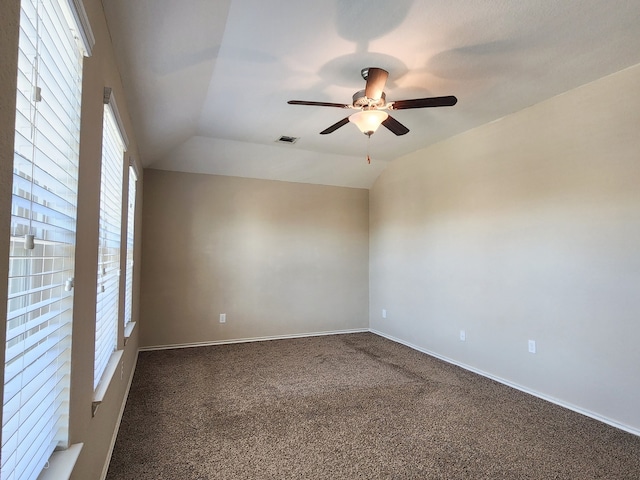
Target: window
{"type": "Point", "coordinates": [114, 143]}
{"type": "Point", "coordinates": [54, 36]}
{"type": "Point", "coordinates": [131, 216]}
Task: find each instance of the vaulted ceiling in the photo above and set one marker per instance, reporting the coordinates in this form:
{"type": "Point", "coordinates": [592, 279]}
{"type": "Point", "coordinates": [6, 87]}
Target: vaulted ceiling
{"type": "Point", "coordinates": [207, 82]}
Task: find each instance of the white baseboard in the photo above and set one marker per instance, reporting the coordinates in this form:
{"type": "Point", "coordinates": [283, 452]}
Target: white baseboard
{"type": "Point", "coordinates": [542, 396]}
{"type": "Point", "coordinates": [105, 469]}
{"type": "Point", "coordinates": [251, 339]}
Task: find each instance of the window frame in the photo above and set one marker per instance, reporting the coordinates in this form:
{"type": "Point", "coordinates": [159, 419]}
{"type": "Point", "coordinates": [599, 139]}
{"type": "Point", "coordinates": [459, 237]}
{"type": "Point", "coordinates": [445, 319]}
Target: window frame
{"type": "Point", "coordinates": [50, 201]}
{"type": "Point", "coordinates": [105, 370]}
{"type": "Point", "coordinates": [128, 323]}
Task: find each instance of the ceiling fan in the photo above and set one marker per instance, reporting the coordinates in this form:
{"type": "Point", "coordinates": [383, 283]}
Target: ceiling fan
{"type": "Point", "coordinates": [371, 103]}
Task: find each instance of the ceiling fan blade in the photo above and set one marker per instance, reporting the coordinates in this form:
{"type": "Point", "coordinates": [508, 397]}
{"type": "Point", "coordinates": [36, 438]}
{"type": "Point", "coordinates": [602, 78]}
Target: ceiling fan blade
{"type": "Point", "coordinates": [447, 101]}
{"type": "Point", "coordinates": [317, 104]}
{"type": "Point", "coordinates": [395, 126]}
{"type": "Point", "coordinates": [376, 80]}
{"type": "Point", "coordinates": [335, 126]}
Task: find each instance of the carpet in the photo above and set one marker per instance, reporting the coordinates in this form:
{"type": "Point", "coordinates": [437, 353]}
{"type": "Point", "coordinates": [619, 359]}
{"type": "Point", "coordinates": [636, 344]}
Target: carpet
{"type": "Point", "coordinates": [354, 406]}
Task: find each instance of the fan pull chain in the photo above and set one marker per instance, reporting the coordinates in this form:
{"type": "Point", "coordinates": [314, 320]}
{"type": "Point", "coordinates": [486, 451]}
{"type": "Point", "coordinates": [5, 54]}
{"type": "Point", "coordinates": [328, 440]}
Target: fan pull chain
{"type": "Point", "coordinates": [368, 148]}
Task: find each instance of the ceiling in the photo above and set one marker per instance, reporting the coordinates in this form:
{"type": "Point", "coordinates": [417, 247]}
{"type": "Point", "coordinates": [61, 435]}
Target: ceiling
{"type": "Point", "coordinates": [207, 82]}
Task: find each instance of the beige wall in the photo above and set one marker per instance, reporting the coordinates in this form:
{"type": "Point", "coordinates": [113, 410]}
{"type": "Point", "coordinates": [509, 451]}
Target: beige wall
{"type": "Point", "coordinates": [99, 71]}
{"type": "Point", "coordinates": [278, 258]}
{"type": "Point", "coordinates": [526, 228]}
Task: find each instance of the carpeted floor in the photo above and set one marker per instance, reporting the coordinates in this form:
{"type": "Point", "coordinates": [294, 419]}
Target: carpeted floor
{"type": "Point", "coordinates": [348, 407]}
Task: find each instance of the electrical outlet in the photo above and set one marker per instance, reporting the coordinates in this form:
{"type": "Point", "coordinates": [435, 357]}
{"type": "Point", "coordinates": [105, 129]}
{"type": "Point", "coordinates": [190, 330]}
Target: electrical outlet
{"type": "Point", "coordinates": [223, 318]}
{"type": "Point", "coordinates": [463, 335]}
{"type": "Point", "coordinates": [532, 346]}
{"type": "Point", "coordinates": [384, 313]}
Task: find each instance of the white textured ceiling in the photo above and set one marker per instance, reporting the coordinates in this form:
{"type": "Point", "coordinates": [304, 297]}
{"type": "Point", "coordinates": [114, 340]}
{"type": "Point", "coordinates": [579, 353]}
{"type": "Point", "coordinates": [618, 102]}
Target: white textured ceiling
{"type": "Point", "coordinates": [207, 82]}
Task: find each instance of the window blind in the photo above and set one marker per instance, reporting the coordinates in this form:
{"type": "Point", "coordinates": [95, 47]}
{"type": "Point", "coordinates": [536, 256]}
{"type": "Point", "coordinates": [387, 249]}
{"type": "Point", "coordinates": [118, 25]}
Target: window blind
{"type": "Point", "coordinates": [42, 243]}
{"type": "Point", "coordinates": [113, 148]}
{"type": "Point", "coordinates": [131, 215]}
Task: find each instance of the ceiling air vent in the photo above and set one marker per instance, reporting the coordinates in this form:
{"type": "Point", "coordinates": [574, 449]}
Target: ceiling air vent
{"type": "Point", "coordinates": [287, 139]}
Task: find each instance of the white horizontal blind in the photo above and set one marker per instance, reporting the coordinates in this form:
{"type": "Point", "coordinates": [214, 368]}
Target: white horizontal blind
{"type": "Point", "coordinates": [113, 148]}
{"type": "Point", "coordinates": [131, 215]}
{"type": "Point", "coordinates": [45, 168]}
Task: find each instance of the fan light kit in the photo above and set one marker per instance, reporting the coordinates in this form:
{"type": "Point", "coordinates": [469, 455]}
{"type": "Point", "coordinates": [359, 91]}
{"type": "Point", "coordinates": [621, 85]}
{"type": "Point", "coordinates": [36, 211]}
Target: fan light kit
{"type": "Point", "coordinates": [368, 121]}
{"type": "Point", "coordinates": [372, 101]}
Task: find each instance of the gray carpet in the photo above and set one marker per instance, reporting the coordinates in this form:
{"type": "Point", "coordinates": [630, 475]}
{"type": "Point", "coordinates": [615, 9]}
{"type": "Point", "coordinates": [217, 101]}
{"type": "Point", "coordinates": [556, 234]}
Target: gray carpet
{"type": "Point", "coordinates": [348, 407]}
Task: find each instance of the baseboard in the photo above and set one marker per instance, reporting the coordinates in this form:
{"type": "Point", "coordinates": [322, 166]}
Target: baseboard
{"type": "Point", "coordinates": [542, 396]}
{"type": "Point", "coordinates": [251, 339]}
{"type": "Point", "coordinates": [105, 469]}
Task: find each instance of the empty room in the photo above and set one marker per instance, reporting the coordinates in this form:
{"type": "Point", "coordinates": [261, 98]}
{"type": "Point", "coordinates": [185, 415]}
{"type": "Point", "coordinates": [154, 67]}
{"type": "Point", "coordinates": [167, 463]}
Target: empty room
{"type": "Point", "coordinates": [260, 239]}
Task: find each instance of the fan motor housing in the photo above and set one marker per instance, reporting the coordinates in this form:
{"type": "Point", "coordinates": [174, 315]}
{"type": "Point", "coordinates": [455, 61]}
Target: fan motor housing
{"type": "Point", "coordinates": [360, 100]}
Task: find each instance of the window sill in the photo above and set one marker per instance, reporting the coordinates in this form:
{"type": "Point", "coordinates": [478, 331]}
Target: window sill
{"type": "Point", "coordinates": [128, 330]}
{"type": "Point", "coordinates": [105, 381]}
{"type": "Point", "coordinates": [61, 463]}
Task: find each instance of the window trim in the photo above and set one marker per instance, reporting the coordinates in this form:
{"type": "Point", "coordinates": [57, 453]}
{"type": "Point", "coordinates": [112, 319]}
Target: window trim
{"type": "Point", "coordinates": [61, 463]}
{"type": "Point", "coordinates": [128, 331]}
{"type": "Point", "coordinates": [109, 98]}
{"type": "Point", "coordinates": [105, 380]}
